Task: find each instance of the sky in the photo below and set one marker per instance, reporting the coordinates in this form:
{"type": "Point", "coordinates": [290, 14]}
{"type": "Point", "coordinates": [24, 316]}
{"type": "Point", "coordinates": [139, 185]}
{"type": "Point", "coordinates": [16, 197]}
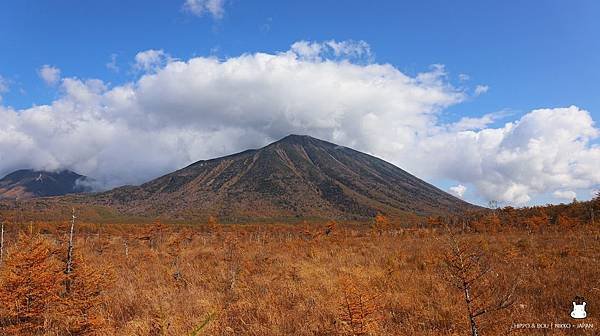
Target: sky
{"type": "Point", "coordinates": [488, 100]}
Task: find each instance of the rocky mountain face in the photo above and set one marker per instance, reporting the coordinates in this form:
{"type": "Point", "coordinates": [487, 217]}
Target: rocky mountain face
{"type": "Point", "coordinates": [298, 176]}
{"type": "Point", "coordinates": [28, 183]}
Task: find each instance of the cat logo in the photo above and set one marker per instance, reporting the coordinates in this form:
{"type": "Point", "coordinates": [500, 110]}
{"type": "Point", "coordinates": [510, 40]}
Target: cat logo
{"type": "Point", "coordinates": [578, 308]}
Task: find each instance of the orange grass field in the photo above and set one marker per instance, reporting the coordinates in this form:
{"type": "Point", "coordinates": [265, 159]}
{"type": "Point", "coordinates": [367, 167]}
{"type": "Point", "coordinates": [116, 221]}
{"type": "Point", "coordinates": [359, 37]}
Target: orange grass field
{"type": "Point", "coordinates": [304, 279]}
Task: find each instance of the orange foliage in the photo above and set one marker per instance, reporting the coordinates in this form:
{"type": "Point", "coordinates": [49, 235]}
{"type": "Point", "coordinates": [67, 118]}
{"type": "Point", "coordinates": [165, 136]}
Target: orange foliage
{"type": "Point", "coordinates": [360, 312]}
{"type": "Point", "coordinates": [30, 282]}
{"type": "Point", "coordinates": [279, 279]}
{"type": "Point", "coordinates": [32, 296]}
{"type": "Point", "coordinates": [80, 308]}
{"type": "Point", "coordinates": [380, 223]}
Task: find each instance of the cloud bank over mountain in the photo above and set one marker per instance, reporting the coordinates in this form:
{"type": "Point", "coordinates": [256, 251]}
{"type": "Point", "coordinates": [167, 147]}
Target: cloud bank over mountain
{"type": "Point", "coordinates": [180, 111]}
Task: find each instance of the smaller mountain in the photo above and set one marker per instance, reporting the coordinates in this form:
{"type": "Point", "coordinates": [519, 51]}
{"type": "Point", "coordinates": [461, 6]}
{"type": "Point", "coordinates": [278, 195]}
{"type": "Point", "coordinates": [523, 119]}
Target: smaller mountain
{"type": "Point", "coordinates": [28, 183]}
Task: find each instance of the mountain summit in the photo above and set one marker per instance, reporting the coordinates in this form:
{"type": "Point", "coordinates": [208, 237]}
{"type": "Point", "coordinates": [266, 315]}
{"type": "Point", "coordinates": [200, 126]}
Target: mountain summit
{"type": "Point", "coordinates": [297, 176]}
{"type": "Point", "coordinates": [27, 183]}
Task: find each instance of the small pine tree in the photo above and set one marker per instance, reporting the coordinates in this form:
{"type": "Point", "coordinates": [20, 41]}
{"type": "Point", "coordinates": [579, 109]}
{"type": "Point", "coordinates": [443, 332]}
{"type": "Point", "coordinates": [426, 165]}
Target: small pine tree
{"type": "Point", "coordinates": [564, 222]}
{"type": "Point", "coordinates": [360, 313]}
{"type": "Point", "coordinates": [80, 307]}
{"type": "Point", "coordinates": [29, 285]}
{"type": "Point", "coordinates": [491, 222]}
{"type": "Point", "coordinates": [213, 225]}
{"type": "Point", "coordinates": [380, 224]}
{"type": "Point", "coordinates": [469, 269]}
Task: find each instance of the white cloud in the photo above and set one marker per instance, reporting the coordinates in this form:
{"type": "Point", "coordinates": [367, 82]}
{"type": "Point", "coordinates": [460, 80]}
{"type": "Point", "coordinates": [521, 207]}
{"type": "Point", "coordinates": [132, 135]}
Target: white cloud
{"type": "Point", "coordinates": [112, 65]}
{"type": "Point", "coordinates": [458, 190]}
{"type": "Point", "coordinates": [475, 123]}
{"type": "Point", "coordinates": [266, 27]}
{"type": "Point", "coordinates": [545, 150]}
{"type": "Point", "coordinates": [463, 77]}
{"type": "Point", "coordinates": [332, 49]}
{"type": "Point", "coordinates": [178, 112]}
{"type": "Point", "coordinates": [481, 89]}
{"type": "Point", "coordinates": [151, 60]}
{"type": "Point", "coordinates": [354, 49]}
{"type": "Point", "coordinates": [565, 194]}
{"type": "Point", "coordinates": [216, 8]}
{"type": "Point", "coordinates": [50, 74]}
{"type": "Point", "coordinates": [307, 50]}
{"type": "Point", "coordinates": [4, 87]}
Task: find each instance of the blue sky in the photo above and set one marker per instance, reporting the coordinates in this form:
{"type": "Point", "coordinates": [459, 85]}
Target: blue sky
{"type": "Point", "coordinates": [528, 54]}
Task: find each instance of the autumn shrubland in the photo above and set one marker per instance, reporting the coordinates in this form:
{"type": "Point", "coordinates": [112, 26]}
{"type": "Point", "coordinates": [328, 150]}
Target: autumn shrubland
{"type": "Point", "coordinates": [315, 278]}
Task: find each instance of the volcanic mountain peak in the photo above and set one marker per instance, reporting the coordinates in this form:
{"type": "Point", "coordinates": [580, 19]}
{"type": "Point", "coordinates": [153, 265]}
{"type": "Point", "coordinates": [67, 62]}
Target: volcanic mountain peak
{"type": "Point", "coordinates": [26, 183]}
{"type": "Point", "coordinates": [297, 176]}
{"type": "Point", "coordinates": [299, 139]}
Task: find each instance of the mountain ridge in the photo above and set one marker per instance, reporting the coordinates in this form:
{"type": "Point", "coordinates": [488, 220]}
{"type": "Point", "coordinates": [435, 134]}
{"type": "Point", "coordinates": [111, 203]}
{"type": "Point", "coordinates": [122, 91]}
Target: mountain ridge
{"type": "Point", "coordinates": [30, 183]}
{"type": "Point", "coordinates": [297, 176]}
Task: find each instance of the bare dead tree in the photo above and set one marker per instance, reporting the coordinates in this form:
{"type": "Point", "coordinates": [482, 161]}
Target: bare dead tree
{"type": "Point", "coordinates": [18, 213]}
{"type": "Point", "coordinates": [1, 241]}
{"type": "Point", "coordinates": [592, 212]}
{"type": "Point", "coordinates": [493, 204]}
{"type": "Point", "coordinates": [467, 268]}
{"type": "Point", "coordinates": [69, 268]}
{"type": "Point", "coordinates": [595, 203]}
{"type": "Point", "coordinates": [126, 248]}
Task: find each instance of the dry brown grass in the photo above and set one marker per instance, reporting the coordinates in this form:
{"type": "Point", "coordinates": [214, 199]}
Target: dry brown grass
{"type": "Point", "coordinates": [278, 280]}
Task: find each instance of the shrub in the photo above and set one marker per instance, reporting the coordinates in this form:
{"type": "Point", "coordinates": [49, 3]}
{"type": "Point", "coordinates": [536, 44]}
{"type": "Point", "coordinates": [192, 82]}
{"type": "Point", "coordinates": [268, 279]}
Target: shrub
{"type": "Point", "coordinates": [30, 281]}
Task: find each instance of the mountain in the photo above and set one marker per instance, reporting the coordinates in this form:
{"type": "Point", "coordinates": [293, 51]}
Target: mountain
{"type": "Point", "coordinates": [28, 183]}
{"type": "Point", "coordinates": [298, 176]}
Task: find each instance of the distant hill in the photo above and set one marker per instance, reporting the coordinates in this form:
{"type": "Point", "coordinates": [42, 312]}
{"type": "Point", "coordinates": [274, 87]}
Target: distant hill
{"type": "Point", "coordinates": [28, 183]}
{"type": "Point", "coordinates": [298, 176]}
